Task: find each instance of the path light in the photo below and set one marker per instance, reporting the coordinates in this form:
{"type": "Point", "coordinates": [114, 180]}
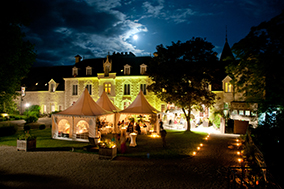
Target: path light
{"type": "Point", "coordinates": [240, 160]}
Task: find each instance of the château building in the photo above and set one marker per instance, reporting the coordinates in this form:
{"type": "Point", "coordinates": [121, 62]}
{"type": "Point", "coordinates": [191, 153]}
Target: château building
{"type": "Point", "coordinates": [121, 76]}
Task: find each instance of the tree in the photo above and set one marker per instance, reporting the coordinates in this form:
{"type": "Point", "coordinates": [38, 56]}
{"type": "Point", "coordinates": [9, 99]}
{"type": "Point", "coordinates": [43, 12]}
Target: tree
{"type": "Point", "coordinates": [258, 70]}
{"type": "Point", "coordinates": [181, 74]}
{"type": "Point", "coordinates": [17, 55]}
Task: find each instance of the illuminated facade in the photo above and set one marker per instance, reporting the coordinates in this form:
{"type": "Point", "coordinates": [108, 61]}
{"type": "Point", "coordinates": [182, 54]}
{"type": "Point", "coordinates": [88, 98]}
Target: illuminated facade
{"type": "Point", "coordinates": [121, 76]}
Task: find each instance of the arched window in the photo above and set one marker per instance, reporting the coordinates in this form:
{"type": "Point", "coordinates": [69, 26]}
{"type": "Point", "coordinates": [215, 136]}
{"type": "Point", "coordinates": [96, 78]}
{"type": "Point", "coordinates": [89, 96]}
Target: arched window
{"type": "Point", "coordinates": [82, 130]}
{"type": "Point", "coordinates": [63, 128]}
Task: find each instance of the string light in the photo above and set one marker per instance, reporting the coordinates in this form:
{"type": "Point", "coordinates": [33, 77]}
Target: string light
{"type": "Point", "coordinates": [194, 153]}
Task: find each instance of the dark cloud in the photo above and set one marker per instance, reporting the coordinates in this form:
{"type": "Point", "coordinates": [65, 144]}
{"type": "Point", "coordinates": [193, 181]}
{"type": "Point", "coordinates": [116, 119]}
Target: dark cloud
{"type": "Point", "coordinates": [61, 29]}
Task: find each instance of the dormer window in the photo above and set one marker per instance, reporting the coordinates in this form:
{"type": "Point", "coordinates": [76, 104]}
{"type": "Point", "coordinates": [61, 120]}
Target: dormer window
{"type": "Point", "coordinates": [143, 69]}
{"type": "Point", "coordinates": [75, 71]}
{"type": "Point", "coordinates": [107, 66]}
{"type": "Point", "coordinates": [88, 70]}
{"type": "Point", "coordinates": [52, 85]}
{"type": "Point", "coordinates": [228, 88]}
{"type": "Point", "coordinates": [127, 69]}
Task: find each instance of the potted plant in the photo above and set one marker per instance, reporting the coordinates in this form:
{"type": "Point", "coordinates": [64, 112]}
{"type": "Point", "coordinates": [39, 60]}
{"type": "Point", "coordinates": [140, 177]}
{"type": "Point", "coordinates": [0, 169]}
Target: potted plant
{"type": "Point", "coordinates": [26, 141]}
{"type": "Point", "coordinates": [107, 149]}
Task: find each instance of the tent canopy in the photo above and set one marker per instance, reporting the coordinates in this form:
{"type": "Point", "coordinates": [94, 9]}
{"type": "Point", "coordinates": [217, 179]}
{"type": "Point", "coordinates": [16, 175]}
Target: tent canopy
{"type": "Point", "coordinates": [140, 106]}
{"type": "Point", "coordinates": [85, 106]}
{"type": "Point", "coordinates": [106, 104]}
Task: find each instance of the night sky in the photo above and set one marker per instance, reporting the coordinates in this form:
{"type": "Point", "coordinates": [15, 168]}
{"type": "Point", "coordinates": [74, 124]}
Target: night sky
{"type": "Point", "coordinates": [61, 29]}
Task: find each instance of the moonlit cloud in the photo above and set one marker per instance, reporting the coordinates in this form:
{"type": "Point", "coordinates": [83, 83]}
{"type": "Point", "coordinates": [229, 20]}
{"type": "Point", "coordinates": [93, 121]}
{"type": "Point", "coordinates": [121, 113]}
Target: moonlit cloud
{"type": "Point", "coordinates": [61, 29]}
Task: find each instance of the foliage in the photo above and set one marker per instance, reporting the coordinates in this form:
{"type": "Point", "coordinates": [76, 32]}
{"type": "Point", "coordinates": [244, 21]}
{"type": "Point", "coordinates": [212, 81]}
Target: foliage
{"type": "Point", "coordinates": [7, 130]}
{"type": "Point", "coordinates": [17, 56]}
{"type": "Point", "coordinates": [27, 128]}
{"type": "Point", "coordinates": [26, 136]}
{"type": "Point", "coordinates": [41, 127]}
{"type": "Point", "coordinates": [107, 143]}
{"type": "Point", "coordinates": [182, 72]}
{"type": "Point", "coordinates": [257, 72]}
{"type": "Point", "coordinates": [33, 110]}
{"type": "Point", "coordinates": [31, 119]}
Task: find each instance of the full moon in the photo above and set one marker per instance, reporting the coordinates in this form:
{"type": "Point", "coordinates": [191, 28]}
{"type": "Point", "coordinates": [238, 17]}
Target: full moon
{"type": "Point", "coordinates": [135, 37]}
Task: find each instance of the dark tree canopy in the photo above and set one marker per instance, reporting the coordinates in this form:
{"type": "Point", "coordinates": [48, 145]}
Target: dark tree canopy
{"type": "Point", "coordinates": [258, 71]}
{"type": "Point", "coordinates": [182, 72]}
{"type": "Point", "coordinates": [17, 55]}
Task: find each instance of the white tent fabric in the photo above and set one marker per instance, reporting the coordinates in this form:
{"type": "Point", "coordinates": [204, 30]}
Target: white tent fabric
{"type": "Point", "coordinates": [85, 106]}
{"type": "Point", "coordinates": [106, 104]}
{"type": "Point", "coordinates": [140, 106]}
{"type": "Point", "coordinates": [85, 109]}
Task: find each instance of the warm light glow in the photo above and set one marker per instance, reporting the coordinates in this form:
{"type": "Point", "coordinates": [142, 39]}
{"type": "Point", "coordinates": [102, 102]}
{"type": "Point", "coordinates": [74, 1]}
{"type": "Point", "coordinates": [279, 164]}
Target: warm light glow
{"type": "Point", "coordinates": [206, 138]}
{"type": "Point", "coordinates": [198, 148]}
{"type": "Point", "coordinates": [201, 144]}
{"type": "Point", "coordinates": [194, 153]}
{"type": "Point", "coordinates": [154, 135]}
{"type": "Point", "coordinates": [238, 152]}
{"type": "Point", "coordinates": [237, 140]}
{"type": "Point", "coordinates": [240, 160]}
{"type": "Point", "coordinates": [27, 105]}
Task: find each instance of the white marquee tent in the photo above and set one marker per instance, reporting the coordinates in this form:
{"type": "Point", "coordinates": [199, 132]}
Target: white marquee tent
{"type": "Point", "coordinates": [78, 122]}
{"type": "Point", "coordinates": [106, 104]}
{"type": "Point", "coordinates": [141, 106]}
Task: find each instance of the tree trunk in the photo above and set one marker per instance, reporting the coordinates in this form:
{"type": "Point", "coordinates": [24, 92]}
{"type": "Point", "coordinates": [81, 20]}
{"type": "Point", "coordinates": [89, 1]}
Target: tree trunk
{"type": "Point", "coordinates": [187, 116]}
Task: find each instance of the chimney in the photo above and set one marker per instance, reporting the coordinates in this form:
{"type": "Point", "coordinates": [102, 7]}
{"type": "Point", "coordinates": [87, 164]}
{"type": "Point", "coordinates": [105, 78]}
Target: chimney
{"type": "Point", "coordinates": [78, 58]}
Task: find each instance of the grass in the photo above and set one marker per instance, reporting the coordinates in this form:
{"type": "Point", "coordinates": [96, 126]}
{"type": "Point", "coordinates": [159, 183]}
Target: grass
{"type": "Point", "coordinates": [179, 143]}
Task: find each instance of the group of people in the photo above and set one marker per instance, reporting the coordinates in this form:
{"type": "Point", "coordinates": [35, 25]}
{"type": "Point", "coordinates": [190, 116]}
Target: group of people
{"type": "Point", "coordinates": [131, 127]}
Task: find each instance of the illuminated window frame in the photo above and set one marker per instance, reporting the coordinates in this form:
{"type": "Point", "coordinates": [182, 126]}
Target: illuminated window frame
{"type": "Point", "coordinates": [88, 70]}
{"type": "Point", "coordinates": [127, 69]}
{"type": "Point", "coordinates": [107, 88]}
{"type": "Point", "coordinates": [74, 71]}
{"type": "Point", "coordinates": [143, 88]}
{"type": "Point", "coordinates": [89, 87]}
{"type": "Point", "coordinates": [143, 69]}
{"type": "Point", "coordinates": [126, 89]}
{"type": "Point", "coordinates": [74, 90]}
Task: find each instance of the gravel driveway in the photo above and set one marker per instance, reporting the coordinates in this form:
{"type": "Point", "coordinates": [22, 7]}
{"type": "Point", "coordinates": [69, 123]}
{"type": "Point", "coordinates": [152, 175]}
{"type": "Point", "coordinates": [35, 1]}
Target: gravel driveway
{"type": "Point", "coordinates": [53, 169]}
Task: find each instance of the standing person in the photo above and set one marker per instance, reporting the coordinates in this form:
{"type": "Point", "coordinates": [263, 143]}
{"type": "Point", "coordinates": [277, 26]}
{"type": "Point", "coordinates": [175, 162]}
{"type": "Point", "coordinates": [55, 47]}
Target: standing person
{"type": "Point", "coordinates": [161, 125]}
{"type": "Point", "coordinates": [163, 133]}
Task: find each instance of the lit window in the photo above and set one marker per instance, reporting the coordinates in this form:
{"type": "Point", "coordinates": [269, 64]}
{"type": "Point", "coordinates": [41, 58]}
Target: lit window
{"type": "Point", "coordinates": [75, 90]}
{"type": "Point", "coordinates": [143, 88]}
{"type": "Point", "coordinates": [127, 69]}
{"type": "Point", "coordinates": [235, 112]}
{"type": "Point", "coordinates": [143, 68]}
{"type": "Point", "coordinates": [247, 113]}
{"type": "Point", "coordinates": [75, 71]}
{"type": "Point", "coordinates": [89, 87]}
{"type": "Point", "coordinates": [241, 112]}
{"type": "Point", "coordinates": [107, 88]}
{"type": "Point", "coordinates": [127, 89]}
{"type": "Point", "coordinates": [228, 88]}
{"type": "Point", "coordinates": [88, 70]}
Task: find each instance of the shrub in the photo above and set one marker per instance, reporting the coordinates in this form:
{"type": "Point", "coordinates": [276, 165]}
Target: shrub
{"type": "Point", "coordinates": [31, 119]}
{"type": "Point", "coordinates": [42, 127]}
{"type": "Point", "coordinates": [27, 127]}
{"type": "Point", "coordinates": [8, 130]}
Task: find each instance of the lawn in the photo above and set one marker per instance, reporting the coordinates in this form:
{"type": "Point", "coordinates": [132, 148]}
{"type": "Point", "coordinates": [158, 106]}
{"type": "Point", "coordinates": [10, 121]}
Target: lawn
{"type": "Point", "coordinates": [179, 143]}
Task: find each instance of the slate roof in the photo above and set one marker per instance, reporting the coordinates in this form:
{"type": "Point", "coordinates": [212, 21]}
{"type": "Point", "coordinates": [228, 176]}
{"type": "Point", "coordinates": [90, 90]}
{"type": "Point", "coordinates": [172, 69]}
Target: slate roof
{"type": "Point", "coordinates": [38, 77]}
{"type": "Point", "coordinates": [118, 63]}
